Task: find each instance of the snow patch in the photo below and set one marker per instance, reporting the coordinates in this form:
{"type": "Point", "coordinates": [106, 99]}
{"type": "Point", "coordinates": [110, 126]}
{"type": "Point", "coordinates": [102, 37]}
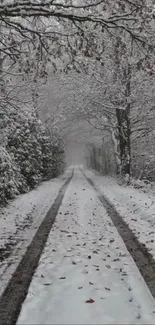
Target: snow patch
{"type": "Point", "coordinates": [85, 274]}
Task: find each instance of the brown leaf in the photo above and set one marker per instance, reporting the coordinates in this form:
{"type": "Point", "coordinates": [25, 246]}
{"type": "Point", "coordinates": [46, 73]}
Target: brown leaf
{"type": "Point", "coordinates": [107, 288]}
{"type": "Point", "coordinates": [124, 273]}
{"type": "Point", "coordinates": [90, 301]}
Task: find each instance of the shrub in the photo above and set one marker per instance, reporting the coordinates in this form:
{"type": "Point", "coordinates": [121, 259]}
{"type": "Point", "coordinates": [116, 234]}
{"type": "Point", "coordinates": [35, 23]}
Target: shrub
{"type": "Point", "coordinates": [30, 153]}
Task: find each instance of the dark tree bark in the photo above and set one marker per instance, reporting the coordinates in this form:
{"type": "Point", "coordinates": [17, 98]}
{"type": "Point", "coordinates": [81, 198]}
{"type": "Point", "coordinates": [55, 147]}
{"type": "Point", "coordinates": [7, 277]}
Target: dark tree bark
{"type": "Point", "coordinates": [123, 114]}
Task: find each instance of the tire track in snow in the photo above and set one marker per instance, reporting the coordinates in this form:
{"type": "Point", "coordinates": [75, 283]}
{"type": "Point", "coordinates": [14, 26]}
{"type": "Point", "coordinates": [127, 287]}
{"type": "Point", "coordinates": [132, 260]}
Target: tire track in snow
{"type": "Point", "coordinates": [17, 288]}
{"type": "Point", "coordinates": [142, 258]}
{"type": "Point", "coordinates": [85, 258]}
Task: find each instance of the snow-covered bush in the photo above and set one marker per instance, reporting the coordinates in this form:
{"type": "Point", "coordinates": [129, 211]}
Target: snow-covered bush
{"type": "Point", "coordinates": [23, 143]}
{"type": "Point", "coordinates": [29, 154]}
{"type": "Point", "coordinates": [11, 180]}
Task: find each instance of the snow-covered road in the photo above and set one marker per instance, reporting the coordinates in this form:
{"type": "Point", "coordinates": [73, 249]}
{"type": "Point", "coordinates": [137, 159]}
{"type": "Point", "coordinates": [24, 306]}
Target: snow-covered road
{"type": "Point", "coordinates": [85, 274]}
{"type": "Point", "coordinates": [135, 207]}
{"type": "Point", "coordinates": [20, 220]}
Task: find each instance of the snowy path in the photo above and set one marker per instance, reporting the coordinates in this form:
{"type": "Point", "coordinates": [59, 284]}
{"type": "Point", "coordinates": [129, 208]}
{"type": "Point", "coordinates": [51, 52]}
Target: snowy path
{"type": "Point", "coordinates": [136, 207]}
{"type": "Point", "coordinates": [19, 222]}
{"type": "Point", "coordinates": [85, 258]}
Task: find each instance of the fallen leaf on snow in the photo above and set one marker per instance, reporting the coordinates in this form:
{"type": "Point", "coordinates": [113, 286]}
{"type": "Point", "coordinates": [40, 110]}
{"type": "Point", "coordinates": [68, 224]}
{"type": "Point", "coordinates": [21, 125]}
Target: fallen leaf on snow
{"type": "Point", "coordinates": [107, 288]}
{"type": "Point", "coordinates": [47, 284]}
{"type": "Point", "coordinates": [138, 316]}
{"type": "Point", "coordinates": [62, 278]}
{"type": "Point", "coordinates": [90, 301]}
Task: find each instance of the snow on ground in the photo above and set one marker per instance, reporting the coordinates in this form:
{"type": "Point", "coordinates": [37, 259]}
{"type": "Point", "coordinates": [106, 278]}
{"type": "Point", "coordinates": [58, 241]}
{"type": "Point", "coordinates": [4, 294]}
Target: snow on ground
{"type": "Point", "coordinates": [136, 207]}
{"type": "Point", "coordinates": [85, 274]}
{"type": "Point", "coordinates": [19, 222]}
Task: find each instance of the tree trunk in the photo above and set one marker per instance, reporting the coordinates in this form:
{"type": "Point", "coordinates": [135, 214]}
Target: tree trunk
{"type": "Point", "coordinates": [123, 114]}
{"type": "Point", "coordinates": [116, 150]}
{"type": "Point", "coordinates": [123, 120]}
